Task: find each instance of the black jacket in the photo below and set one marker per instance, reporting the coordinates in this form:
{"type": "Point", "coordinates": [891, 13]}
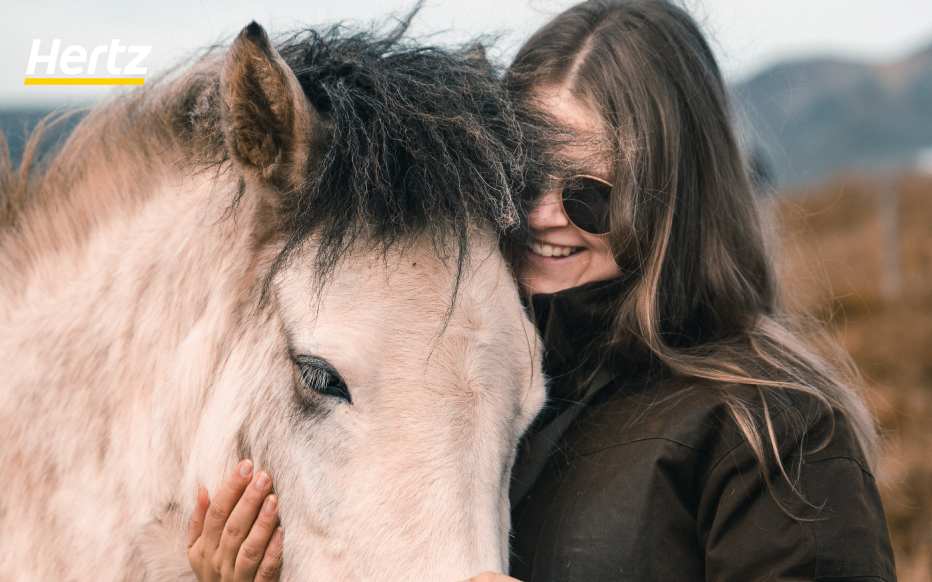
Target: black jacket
{"type": "Point", "coordinates": [654, 481]}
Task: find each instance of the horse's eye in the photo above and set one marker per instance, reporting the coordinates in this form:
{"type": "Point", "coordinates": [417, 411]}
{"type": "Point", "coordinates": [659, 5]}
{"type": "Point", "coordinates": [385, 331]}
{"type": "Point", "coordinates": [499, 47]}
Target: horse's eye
{"type": "Point", "coordinates": [319, 376]}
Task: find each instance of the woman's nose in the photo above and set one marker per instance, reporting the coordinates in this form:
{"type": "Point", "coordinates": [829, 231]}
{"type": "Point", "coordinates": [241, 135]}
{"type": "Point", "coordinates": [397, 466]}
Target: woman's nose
{"type": "Point", "coordinates": [548, 212]}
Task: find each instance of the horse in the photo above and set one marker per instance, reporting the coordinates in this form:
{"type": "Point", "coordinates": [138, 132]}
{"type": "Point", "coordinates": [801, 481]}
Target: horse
{"type": "Point", "coordinates": [284, 252]}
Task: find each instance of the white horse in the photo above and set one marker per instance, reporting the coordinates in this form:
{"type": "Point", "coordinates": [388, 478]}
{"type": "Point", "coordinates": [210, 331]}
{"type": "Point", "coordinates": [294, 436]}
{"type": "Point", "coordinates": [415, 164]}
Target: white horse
{"type": "Point", "coordinates": [287, 255]}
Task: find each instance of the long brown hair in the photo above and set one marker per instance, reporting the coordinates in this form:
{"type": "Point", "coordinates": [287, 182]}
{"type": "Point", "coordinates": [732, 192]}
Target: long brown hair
{"type": "Point", "coordinates": [703, 297]}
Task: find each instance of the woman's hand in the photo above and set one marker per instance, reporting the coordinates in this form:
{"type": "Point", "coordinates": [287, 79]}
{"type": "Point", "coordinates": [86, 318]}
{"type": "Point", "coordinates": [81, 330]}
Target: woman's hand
{"type": "Point", "coordinates": [491, 577]}
{"type": "Point", "coordinates": [233, 538]}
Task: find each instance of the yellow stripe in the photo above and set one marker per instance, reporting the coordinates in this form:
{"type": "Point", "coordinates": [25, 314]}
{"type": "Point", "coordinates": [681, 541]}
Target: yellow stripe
{"type": "Point", "coordinates": [85, 81]}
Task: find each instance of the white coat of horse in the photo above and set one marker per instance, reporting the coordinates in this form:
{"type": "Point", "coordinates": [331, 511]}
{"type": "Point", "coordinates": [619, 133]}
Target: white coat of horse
{"type": "Point", "coordinates": [142, 354]}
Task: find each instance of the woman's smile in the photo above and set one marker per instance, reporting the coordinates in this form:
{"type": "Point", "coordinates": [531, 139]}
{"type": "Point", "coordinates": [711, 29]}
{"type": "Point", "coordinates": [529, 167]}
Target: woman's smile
{"type": "Point", "coordinates": [544, 250]}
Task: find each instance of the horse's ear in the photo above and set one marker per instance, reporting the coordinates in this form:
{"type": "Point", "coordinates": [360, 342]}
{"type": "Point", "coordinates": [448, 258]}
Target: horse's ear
{"type": "Point", "coordinates": [269, 126]}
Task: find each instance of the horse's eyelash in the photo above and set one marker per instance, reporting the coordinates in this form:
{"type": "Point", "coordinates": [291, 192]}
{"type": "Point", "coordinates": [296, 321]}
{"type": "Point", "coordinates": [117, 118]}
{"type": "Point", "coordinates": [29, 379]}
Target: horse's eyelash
{"type": "Point", "coordinates": [317, 372]}
{"type": "Point", "coordinates": [316, 378]}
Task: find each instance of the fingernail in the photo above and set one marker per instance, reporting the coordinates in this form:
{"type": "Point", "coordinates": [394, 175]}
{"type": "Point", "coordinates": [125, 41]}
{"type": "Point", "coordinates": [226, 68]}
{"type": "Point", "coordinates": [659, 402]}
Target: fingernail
{"type": "Point", "coordinates": [202, 497]}
{"type": "Point", "coordinates": [279, 535]}
{"type": "Point", "coordinates": [245, 468]}
{"type": "Point", "coordinates": [262, 481]}
{"type": "Point", "coordinates": [271, 504]}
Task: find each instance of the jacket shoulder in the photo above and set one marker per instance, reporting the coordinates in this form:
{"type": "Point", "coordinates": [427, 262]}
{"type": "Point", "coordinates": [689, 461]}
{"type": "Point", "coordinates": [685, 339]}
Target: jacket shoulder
{"type": "Point", "coordinates": [682, 413]}
{"type": "Point", "coordinates": [673, 410]}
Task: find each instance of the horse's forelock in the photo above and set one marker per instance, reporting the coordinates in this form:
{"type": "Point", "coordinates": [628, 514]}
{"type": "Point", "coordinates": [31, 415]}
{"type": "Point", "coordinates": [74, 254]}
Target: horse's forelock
{"type": "Point", "coordinates": [424, 140]}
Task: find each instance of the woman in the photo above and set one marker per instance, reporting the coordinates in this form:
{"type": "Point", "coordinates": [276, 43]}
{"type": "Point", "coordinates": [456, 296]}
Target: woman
{"type": "Point", "coordinates": [723, 445]}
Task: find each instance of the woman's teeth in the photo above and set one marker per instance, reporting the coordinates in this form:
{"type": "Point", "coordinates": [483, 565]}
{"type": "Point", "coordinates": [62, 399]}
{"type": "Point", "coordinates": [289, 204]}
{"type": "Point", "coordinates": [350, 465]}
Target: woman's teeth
{"type": "Point", "coordinates": [552, 251]}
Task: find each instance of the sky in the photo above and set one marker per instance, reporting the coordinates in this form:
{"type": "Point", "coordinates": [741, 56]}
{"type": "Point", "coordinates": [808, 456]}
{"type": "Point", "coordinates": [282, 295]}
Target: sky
{"type": "Point", "coordinates": [747, 35]}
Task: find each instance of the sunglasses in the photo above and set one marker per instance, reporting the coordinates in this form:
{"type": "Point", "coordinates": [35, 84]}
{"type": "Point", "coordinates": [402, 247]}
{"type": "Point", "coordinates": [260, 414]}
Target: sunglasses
{"type": "Point", "coordinates": [585, 201]}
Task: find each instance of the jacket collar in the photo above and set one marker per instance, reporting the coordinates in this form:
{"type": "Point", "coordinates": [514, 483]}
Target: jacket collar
{"type": "Point", "coordinates": [576, 325]}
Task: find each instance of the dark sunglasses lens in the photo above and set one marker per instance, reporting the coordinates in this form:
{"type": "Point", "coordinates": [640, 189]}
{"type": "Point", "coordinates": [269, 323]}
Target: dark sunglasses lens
{"type": "Point", "coordinates": [586, 203]}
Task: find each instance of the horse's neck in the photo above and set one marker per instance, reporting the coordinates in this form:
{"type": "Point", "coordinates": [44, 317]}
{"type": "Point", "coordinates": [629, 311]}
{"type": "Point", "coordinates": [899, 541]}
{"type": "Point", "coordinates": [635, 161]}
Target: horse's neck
{"type": "Point", "coordinates": [100, 178]}
{"type": "Point", "coordinates": [109, 346]}
{"type": "Point", "coordinates": [133, 278]}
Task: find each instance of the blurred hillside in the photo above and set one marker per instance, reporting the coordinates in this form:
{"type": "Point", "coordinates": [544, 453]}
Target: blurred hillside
{"type": "Point", "coordinates": [812, 118]}
{"type": "Point", "coordinates": [16, 123]}
{"type": "Point", "coordinates": [833, 261]}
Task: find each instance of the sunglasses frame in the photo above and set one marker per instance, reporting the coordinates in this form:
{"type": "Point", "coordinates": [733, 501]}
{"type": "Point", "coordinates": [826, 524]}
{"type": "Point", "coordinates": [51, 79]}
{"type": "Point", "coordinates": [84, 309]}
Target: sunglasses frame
{"type": "Point", "coordinates": [563, 208]}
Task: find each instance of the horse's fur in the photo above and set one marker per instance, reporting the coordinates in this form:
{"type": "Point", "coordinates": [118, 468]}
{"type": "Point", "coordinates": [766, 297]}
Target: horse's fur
{"type": "Point", "coordinates": [164, 274]}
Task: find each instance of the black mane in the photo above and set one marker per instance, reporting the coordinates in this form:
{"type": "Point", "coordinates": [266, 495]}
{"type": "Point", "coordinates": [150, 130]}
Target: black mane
{"type": "Point", "coordinates": [423, 140]}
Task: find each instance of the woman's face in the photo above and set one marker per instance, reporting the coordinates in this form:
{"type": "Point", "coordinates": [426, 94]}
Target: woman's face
{"type": "Point", "coordinates": [562, 256]}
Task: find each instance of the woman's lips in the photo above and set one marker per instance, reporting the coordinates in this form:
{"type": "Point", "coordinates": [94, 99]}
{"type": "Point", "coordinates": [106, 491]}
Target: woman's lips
{"type": "Point", "coordinates": [554, 251]}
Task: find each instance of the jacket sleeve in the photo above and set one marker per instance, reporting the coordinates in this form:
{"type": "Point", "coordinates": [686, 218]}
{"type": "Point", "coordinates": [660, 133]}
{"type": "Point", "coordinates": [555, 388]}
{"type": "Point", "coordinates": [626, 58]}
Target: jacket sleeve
{"type": "Point", "coordinates": [829, 525]}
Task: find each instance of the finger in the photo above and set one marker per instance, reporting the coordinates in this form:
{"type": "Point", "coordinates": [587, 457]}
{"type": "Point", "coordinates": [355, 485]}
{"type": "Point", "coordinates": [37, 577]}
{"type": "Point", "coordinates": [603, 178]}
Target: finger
{"type": "Point", "coordinates": [224, 502]}
{"type": "Point", "coordinates": [271, 565]}
{"type": "Point", "coordinates": [242, 519]}
{"type": "Point", "coordinates": [256, 545]}
{"type": "Point", "coordinates": [197, 518]}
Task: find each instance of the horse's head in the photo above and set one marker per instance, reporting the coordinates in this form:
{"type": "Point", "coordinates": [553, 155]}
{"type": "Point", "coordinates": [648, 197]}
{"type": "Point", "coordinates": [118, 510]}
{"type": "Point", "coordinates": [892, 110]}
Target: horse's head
{"type": "Point", "coordinates": [388, 374]}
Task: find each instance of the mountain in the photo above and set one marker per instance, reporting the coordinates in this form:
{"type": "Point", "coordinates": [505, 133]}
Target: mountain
{"type": "Point", "coordinates": [16, 123]}
{"type": "Point", "coordinates": [808, 119]}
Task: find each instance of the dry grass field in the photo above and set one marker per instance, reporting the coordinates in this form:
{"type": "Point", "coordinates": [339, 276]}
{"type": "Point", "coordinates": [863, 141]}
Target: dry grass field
{"type": "Point", "coordinates": [834, 260]}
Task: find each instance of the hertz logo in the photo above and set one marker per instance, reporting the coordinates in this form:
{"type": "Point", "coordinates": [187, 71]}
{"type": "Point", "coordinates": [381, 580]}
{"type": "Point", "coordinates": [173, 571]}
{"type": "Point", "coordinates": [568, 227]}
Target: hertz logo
{"type": "Point", "coordinates": [78, 65]}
